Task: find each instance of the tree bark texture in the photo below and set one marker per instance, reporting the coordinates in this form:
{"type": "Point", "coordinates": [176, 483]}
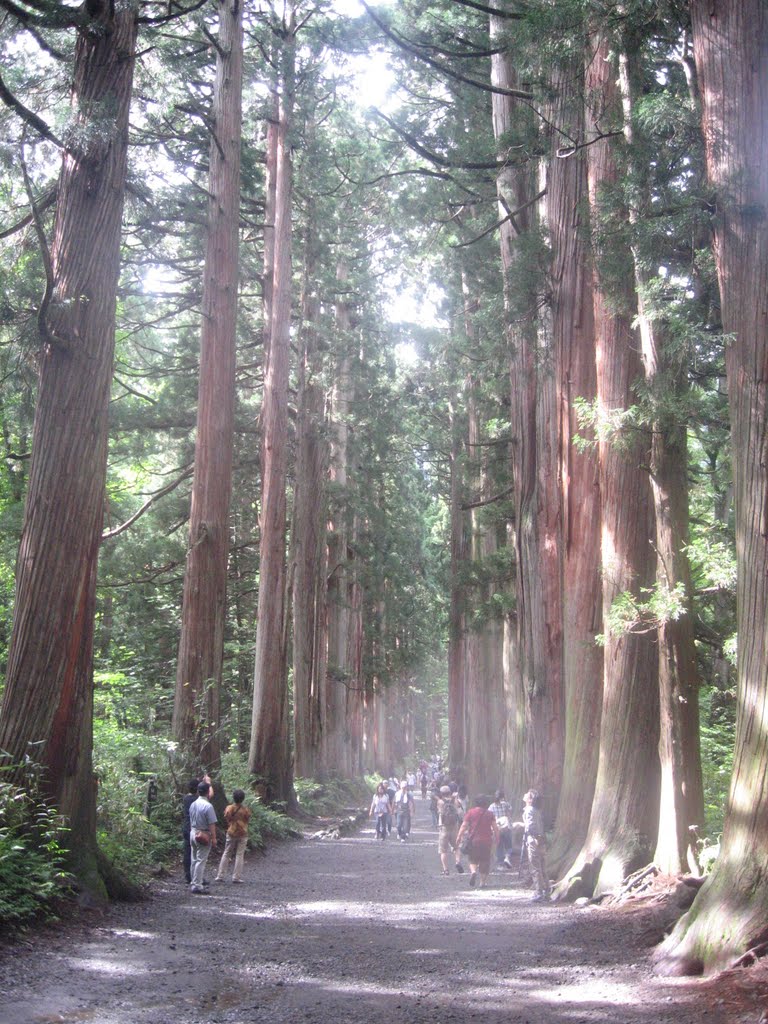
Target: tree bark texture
{"type": "Point", "coordinates": [573, 340]}
{"type": "Point", "coordinates": [731, 50]}
{"type": "Point", "coordinates": [269, 758]}
{"type": "Point", "coordinates": [309, 547]}
{"type": "Point", "coordinates": [681, 798]}
{"type": "Point", "coordinates": [47, 707]}
{"type": "Point", "coordinates": [534, 468]}
{"type": "Point", "coordinates": [624, 818]}
{"type": "Point", "coordinates": [197, 703]}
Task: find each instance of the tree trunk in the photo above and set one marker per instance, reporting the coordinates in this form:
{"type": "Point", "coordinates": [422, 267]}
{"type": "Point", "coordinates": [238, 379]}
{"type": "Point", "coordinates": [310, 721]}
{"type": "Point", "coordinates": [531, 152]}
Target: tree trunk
{"type": "Point", "coordinates": [339, 564]}
{"type": "Point", "coordinates": [269, 759]}
{"type": "Point", "coordinates": [682, 795]}
{"type": "Point", "coordinates": [532, 416]}
{"type": "Point", "coordinates": [730, 43]}
{"type": "Point", "coordinates": [47, 706]}
{"type": "Point", "coordinates": [197, 710]}
{"type": "Point", "coordinates": [624, 819]}
{"type": "Point", "coordinates": [309, 542]}
{"type": "Point", "coordinates": [573, 338]}
{"type": "Point", "coordinates": [457, 647]}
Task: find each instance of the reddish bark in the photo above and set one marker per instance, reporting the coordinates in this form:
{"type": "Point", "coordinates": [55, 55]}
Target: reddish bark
{"type": "Point", "coordinates": [573, 340]}
{"type": "Point", "coordinates": [681, 798]}
{"type": "Point", "coordinates": [730, 42]}
{"type": "Point", "coordinates": [196, 712]}
{"type": "Point", "coordinates": [624, 819]}
{"type": "Point", "coordinates": [269, 758]}
{"type": "Point", "coordinates": [534, 465]}
{"type": "Point", "coordinates": [46, 712]}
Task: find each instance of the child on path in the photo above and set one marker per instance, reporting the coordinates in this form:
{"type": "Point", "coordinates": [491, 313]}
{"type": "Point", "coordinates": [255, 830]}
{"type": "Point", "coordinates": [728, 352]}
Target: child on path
{"type": "Point", "coordinates": [236, 817]}
{"type": "Point", "coordinates": [535, 842]}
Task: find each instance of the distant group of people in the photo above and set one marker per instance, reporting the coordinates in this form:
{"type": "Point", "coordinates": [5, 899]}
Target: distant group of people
{"type": "Point", "coordinates": [477, 832]}
{"type": "Point", "coordinates": [199, 822]}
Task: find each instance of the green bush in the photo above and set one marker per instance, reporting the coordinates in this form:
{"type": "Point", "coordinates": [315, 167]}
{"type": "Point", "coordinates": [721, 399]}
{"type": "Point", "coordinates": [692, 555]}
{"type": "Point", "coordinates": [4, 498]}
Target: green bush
{"type": "Point", "coordinates": [266, 822]}
{"type": "Point", "coordinates": [718, 726]}
{"type": "Point", "coordinates": [330, 796]}
{"type": "Point", "coordinates": [32, 853]}
{"type": "Point", "coordinates": [134, 836]}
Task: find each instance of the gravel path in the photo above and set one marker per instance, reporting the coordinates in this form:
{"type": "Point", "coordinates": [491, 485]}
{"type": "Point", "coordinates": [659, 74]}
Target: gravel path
{"type": "Point", "coordinates": [347, 930]}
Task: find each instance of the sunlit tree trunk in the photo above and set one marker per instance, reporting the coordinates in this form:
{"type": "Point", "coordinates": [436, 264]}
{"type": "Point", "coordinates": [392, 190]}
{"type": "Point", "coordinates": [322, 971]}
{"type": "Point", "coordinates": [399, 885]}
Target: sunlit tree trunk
{"type": "Point", "coordinates": [532, 416]}
{"type": "Point", "coordinates": [624, 819]}
{"type": "Point", "coordinates": [573, 338]}
{"type": "Point", "coordinates": [196, 710]}
{"type": "Point", "coordinates": [269, 758]}
{"type": "Point", "coordinates": [730, 42]}
{"type": "Point", "coordinates": [682, 799]}
{"type": "Point", "coordinates": [48, 700]}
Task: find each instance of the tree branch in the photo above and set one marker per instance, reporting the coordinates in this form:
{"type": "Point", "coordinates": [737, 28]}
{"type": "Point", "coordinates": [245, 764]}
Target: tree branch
{"type": "Point", "coordinates": [413, 49]}
{"type": "Point", "coordinates": [110, 534]}
{"type": "Point", "coordinates": [486, 501]}
{"type": "Point", "coordinates": [28, 116]}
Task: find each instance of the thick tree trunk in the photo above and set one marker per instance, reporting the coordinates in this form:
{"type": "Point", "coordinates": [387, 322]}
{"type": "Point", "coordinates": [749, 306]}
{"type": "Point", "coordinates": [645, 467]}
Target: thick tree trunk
{"type": "Point", "coordinates": [196, 710]}
{"type": "Point", "coordinates": [269, 759]}
{"type": "Point", "coordinates": [47, 706]}
{"type": "Point", "coordinates": [624, 819]}
{"type": "Point", "coordinates": [573, 338]}
{"type": "Point", "coordinates": [682, 797]}
{"type": "Point", "coordinates": [534, 472]}
{"type": "Point", "coordinates": [731, 50]}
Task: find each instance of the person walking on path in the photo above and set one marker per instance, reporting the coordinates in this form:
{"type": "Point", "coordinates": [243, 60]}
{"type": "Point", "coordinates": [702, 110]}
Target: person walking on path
{"type": "Point", "coordinates": [381, 810]}
{"type": "Point", "coordinates": [535, 844]}
{"type": "Point", "coordinates": [202, 834]}
{"type": "Point", "coordinates": [448, 827]}
{"type": "Point", "coordinates": [236, 816]}
{"type": "Point", "coordinates": [480, 828]}
{"type": "Point", "coordinates": [403, 811]}
{"type": "Point", "coordinates": [189, 798]}
{"type": "Point", "coordinates": [502, 811]}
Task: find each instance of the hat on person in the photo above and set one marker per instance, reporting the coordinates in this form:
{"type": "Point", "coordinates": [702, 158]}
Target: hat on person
{"type": "Point", "coordinates": [445, 790]}
{"type": "Point", "coordinates": [203, 788]}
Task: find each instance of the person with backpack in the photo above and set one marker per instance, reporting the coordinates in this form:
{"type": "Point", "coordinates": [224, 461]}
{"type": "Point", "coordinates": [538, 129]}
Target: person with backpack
{"type": "Point", "coordinates": [448, 827]}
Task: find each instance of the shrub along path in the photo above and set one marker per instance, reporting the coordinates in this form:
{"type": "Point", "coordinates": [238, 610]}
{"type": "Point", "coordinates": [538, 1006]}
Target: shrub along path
{"type": "Point", "coordinates": [349, 930]}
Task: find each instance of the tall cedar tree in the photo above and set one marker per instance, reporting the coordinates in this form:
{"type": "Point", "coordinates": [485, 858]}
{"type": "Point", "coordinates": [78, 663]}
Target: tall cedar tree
{"type": "Point", "coordinates": [573, 341]}
{"type": "Point", "coordinates": [269, 758]}
{"type": "Point", "coordinates": [731, 52]}
{"type": "Point", "coordinates": [48, 703]}
{"type": "Point", "coordinates": [624, 817]}
{"type": "Point", "coordinates": [196, 712]}
{"type": "Point", "coordinates": [681, 799]}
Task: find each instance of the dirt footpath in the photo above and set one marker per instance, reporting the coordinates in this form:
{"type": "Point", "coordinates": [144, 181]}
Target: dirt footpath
{"type": "Point", "coordinates": [349, 930]}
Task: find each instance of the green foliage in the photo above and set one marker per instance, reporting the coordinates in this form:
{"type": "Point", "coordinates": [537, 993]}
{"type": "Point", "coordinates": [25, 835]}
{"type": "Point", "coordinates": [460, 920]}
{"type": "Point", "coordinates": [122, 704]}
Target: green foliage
{"type": "Point", "coordinates": [330, 796]}
{"type": "Point", "coordinates": [266, 822]}
{"type": "Point", "coordinates": [718, 726]}
{"type": "Point", "coordinates": [32, 856]}
{"type": "Point", "coordinates": [127, 761]}
{"type": "Point", "coordinates": [631, 613]}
